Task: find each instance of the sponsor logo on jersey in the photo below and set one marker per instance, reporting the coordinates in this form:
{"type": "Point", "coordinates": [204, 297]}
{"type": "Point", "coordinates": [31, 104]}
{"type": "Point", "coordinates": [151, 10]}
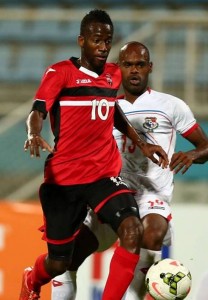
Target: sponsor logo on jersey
{"type": "Point", "coordinates": [150, 123]}
{"type": "Point", "coordinates": [157, 207]}
{"type": "Point", "coordinates": [80, 81]}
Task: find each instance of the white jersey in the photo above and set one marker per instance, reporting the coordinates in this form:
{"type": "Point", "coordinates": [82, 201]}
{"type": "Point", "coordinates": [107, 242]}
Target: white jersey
{"type": "Point", "coordinates": [158, 117]}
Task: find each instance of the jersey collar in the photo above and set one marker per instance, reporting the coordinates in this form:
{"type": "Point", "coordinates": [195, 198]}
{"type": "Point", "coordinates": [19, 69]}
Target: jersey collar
{"type": "Point", "coordinates": [83, 69]}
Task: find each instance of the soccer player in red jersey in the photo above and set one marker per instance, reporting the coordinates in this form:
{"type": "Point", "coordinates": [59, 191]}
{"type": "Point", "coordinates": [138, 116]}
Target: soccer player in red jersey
{"type": "Point", "coordinates": [82, 170]}
{"type": "Point", "coordinates": [158, 116]}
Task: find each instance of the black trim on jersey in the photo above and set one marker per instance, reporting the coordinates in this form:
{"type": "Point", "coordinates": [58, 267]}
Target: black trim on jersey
{"type": "Point", "coordinates": [55, 112]}
{"type": "Point", "coordinates": [88, 91]}
{"type": "Point", "coordinates": [40, 106]}
{"type": "Point", "coordinates": [74, 61]}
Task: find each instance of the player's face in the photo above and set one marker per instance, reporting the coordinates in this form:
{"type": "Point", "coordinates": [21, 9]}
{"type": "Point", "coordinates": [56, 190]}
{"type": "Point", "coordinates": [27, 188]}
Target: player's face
{"type": "Point", "coordinates": [95, 46]}
{"type": "Point", "coordinates": [135, 69]}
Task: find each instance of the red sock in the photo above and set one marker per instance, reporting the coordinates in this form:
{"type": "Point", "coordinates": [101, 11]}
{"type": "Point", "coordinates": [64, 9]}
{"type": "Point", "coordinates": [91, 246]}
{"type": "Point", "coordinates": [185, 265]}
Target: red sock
{"type": "Point", "coordinates": [122, 266]}
{"type": "Point", "coordinates": [38, 276]}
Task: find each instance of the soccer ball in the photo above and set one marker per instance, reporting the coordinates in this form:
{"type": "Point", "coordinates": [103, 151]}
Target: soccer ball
{"type": "Point", "coordinates": [168, 279]}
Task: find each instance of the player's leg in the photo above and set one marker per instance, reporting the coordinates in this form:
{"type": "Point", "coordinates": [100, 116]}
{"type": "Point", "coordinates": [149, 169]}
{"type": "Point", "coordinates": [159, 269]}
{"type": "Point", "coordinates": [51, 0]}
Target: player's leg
{"type": "Point", "coordinates": [121, 212]}
{"type": "Point", "coordinates": [148, 255]}
{"type": "Point", "coordinates": [156, 228]}
{"type": "Point", "coordinates": [93, 236]}
{"type": "Point", "coordinates": [126, 256]}
{"type": "Point", "coordinates": [63, 287]}
{"type": "Point", "coordinates": [59, 207]}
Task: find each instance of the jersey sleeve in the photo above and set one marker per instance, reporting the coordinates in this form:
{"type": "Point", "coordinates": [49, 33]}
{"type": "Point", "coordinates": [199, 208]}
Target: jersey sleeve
{"type": "Point", "coordinates": [53, 81]}
{"type": "Point", "coordinates": [183, 118]}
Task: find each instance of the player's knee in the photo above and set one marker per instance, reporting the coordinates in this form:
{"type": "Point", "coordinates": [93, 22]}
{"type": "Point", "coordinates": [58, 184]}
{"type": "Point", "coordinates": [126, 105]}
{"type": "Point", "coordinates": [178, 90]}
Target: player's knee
{"type": "Point", "coordinates": [85, 244]}
{"type": "Point", "coordinates": [59, 258]}
{"type": "Point", "coordinates": [56, 267]}
{"type": "Point", "coordinates": [153, 238]}
{"type": "Point", "coordinates": [130, 233]}
{"type": "Point", "coordinates": [155, 229]}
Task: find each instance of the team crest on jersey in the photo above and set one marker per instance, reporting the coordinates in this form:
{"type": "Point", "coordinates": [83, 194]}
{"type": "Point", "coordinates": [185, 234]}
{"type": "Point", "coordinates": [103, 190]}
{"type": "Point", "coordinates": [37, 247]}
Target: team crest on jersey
{"type": "Point", "coordinates": [150, 123]}
{"type": "Point", "coordinates": [109, 79]}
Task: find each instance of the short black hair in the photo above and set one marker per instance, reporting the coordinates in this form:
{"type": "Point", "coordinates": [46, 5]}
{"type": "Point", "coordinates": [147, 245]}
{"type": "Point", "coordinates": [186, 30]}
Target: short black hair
{"type": "Point", "coordinates": [97, 16]}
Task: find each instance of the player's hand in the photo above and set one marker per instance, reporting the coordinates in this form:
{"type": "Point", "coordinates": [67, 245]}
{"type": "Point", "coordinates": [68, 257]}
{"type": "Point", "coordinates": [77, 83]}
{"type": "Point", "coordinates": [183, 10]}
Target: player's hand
{"type": "Point", "coordinates": [156, 154]}
{"type": "Point", "coordinates": [34, 143]}
{"type": "Point", "coordinates": [181, 161]}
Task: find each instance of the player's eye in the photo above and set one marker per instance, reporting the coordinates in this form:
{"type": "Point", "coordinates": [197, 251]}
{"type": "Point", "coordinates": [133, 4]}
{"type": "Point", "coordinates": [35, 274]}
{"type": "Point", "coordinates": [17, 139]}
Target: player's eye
{"type": "Point", "coordinates": [142, 64]}
{"type": "Point", "coordinates": [108, 42]}
{"type": "Point", "coordinates": [126, 65]}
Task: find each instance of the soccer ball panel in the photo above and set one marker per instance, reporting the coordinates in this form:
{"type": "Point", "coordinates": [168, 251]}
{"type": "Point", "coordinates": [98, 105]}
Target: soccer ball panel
{"type": "Point", "coordinates": [168, 279]}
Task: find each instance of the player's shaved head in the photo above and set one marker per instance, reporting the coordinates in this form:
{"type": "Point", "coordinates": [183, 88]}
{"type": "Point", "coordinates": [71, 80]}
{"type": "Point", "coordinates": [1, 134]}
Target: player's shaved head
{"type": "Point", "coordinates": [134, 62]}
{"type": "Point", "coordinates": [132, 47]}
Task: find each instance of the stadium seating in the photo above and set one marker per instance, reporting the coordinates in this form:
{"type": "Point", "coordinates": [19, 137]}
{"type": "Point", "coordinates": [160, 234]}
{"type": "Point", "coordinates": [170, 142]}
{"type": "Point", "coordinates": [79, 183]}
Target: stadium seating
{"type": "Point", "coordinates": [43, 41]}
{"type": "Point", "coordinates": [10, 31]}
{"type": "Point", "coordinates": [27, 46]}
{"type": "Point", "coordinates": [38, 31]}
{"type": "Point", "coordinates": [6, 56]}
{"type": "Point", "coordinates": [105, 3]}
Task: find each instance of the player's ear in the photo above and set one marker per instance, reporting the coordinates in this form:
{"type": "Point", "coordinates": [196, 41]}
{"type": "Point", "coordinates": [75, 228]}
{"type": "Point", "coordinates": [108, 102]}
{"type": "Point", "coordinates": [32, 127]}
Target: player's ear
{"type": "Point", "coordinates": [80, 41]}
{"type": "Point", "coordinates": [150, 66]}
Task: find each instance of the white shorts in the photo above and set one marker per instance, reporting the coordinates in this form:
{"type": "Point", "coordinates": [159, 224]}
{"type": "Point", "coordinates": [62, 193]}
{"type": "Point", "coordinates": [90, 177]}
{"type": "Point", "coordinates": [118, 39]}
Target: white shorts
{"type": "Point", "coordinates": [147, 203]}
{"type": "Point", "coordinates": [150, 203]}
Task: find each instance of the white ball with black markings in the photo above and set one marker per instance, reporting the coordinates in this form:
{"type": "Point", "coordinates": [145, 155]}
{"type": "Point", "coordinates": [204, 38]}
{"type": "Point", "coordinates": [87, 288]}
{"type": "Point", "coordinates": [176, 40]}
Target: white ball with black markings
{"type": "Point", "coordinates": [168, 279]}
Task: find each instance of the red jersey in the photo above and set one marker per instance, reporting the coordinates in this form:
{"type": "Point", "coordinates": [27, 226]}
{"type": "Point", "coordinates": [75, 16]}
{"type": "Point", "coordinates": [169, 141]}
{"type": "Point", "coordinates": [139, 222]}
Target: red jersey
{"type": "Point", "coordinates": [81, 107]}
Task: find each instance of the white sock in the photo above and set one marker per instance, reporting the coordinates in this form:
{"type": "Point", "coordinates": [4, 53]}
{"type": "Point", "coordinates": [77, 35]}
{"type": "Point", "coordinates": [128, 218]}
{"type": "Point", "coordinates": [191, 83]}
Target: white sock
{"type": "Point", "coordinates": [63, 287]}
{"type": "Point", "coordinates": [137, 290]}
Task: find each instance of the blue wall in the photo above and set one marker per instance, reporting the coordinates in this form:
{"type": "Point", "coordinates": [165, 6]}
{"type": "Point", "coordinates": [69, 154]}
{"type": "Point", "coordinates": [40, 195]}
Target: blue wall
{"type": "Point", "coordinates": [196, 172]}
{"type": "Point", "coordinates": [13, 159]}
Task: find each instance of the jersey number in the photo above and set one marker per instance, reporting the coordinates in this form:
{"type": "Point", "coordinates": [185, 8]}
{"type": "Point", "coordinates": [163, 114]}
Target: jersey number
{"type": "Point", "coordinates": [97, 109]}
{"type": "Point", "coordinates": [155, 203]}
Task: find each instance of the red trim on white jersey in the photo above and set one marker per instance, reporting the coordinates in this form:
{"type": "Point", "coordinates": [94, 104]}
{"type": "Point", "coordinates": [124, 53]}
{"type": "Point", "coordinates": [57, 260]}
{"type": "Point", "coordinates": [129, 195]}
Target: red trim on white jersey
{"type": "Point", "coordinates": [190, 130]}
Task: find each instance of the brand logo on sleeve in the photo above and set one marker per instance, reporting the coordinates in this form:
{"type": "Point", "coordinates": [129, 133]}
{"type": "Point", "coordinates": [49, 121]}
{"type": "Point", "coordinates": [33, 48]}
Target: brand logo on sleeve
{"type": "Point", "coordinates": [50, 70]}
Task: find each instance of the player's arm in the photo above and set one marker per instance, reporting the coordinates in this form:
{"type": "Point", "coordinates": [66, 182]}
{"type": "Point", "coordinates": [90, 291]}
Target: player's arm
{"type": "Point", "coordinates": [124, 125]}
{"type": "Point", "coordinates": [35, 142]}
{"type": "Point", "coordinates": [181, 161]}
{"type": "Point", "coordinates": [52, 82]}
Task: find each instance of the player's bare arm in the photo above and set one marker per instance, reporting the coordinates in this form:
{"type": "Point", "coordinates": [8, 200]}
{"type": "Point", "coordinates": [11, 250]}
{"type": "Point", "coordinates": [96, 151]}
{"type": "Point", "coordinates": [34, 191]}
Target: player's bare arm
{"type": "Point", "coordinates": [123, 125]}
{"type": "Point", "coordinates": [34, 140]}
{"type": "Point", "coordinates": [182, 161]}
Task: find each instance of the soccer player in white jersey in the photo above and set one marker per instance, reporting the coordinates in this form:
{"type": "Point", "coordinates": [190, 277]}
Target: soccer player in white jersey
{"type": "Point", "coordinates": [158, 117]}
